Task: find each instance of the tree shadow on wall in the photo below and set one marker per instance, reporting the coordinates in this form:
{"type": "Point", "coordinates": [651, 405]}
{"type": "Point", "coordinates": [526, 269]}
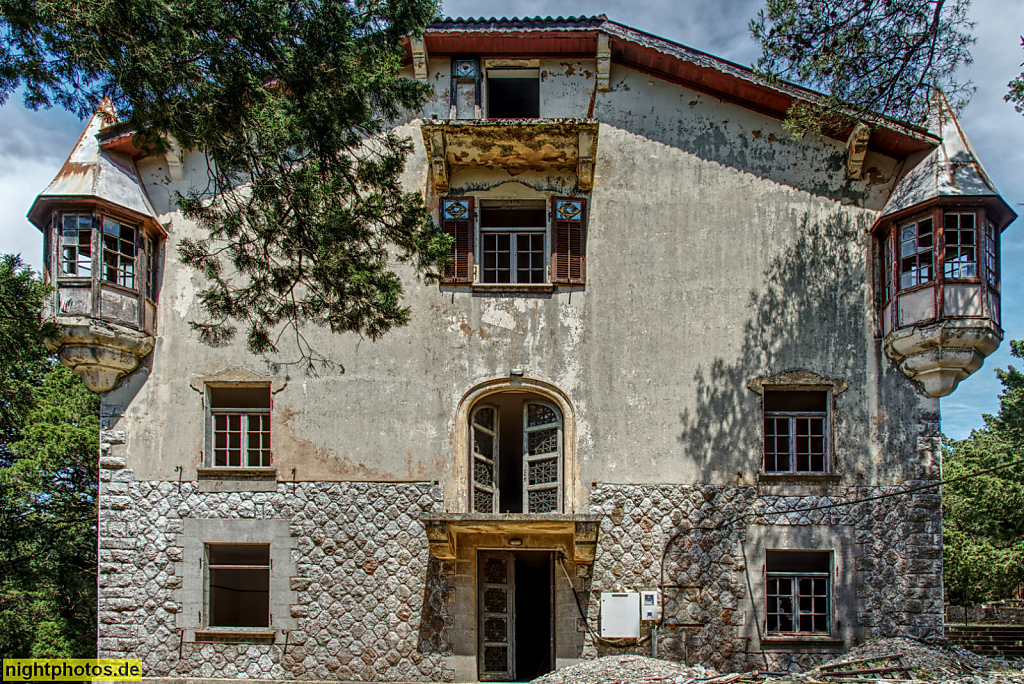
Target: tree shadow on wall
{"type": "Point", "coordinates": [810, 314]}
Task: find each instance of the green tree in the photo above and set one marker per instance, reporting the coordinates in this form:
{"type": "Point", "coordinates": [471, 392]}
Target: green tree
{"type": "Point", "coordinates": [289, 101]}
{"type": "Point", "coordinates": [983, 517]}
{"type": "Point", "coordinates": [48, 484]}
{"type": "Point", "coordinates": [867, 56]}
{"type": "Point", "coordinates": [22, 353]}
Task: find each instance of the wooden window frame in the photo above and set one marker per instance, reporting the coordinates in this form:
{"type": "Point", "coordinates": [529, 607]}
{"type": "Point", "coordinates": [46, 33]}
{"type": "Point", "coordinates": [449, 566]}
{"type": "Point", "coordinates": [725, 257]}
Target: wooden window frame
{"type": "Point", "coordinates": [245, 430]}
{"type": "Point", "coordinates": [987, 248]}
{"type": "Point", "coordinates": [793, 417]}
{"type": "Point", "coordinates": [795, 596]}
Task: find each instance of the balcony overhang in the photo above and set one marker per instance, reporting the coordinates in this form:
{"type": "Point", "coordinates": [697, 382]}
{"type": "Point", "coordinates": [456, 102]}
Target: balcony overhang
{"type": "Point", "coordinates": [577, 534]}
{"type": "Point", "coordinates": [514, 144]}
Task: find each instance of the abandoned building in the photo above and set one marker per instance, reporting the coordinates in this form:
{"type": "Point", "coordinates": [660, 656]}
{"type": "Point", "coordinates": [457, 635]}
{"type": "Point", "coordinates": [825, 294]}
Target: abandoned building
{"type": "Point", "coordinates": [677, 350]}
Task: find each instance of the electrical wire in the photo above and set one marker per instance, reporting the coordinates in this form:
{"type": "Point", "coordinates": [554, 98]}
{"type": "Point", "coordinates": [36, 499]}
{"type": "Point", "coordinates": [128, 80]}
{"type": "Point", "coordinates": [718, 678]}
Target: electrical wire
{"type": "Point", "coordinates": [616, 643]}
{"type": "Point", "coordinates": [726, 524]}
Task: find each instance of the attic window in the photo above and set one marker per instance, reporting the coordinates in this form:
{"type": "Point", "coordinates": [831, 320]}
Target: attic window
{"type": "Point", "coordinates": [513, 93]}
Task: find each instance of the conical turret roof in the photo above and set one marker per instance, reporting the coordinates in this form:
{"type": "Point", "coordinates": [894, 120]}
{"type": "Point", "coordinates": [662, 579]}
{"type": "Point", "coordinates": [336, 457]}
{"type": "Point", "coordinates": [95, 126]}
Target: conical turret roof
{"type": "Point", "coordinates": [950, 170]}
{"type": "Point", "coordinates": [93, 173]}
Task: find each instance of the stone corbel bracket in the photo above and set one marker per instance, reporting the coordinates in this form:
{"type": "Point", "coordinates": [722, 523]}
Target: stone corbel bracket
{"type": "Point", "coordinates": [604, 62]}
{"type": "Point", "coordinates": [100, 353]}
{"type": "Point", "coordinates": [174, 157]}
{"type": "Point", "coordinates": [941, 355]}
{"type": "Point", "coordinates": [856, 150]}
{"type": "Point", "coordinates": [797, 379]}
{"type": "Point", "coordinates": [419, 58]}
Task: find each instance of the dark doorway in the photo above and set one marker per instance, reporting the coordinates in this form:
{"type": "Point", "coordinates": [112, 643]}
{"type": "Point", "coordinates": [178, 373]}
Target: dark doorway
{"type": "Point", "coordinates": [533, 615]}
{"type": "Point", "coordinates": [513, 93]}
{"type": "Point", "coordinates": [516, 628]}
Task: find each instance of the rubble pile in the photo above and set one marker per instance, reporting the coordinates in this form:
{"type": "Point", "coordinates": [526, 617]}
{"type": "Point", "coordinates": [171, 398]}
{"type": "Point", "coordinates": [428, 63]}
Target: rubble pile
{"type": "Point", "coordinates": [622, 669]}
{"type": "Point", "coordinates": [908, 659]}
{"type": "Point", "coordinates": [879, 660]}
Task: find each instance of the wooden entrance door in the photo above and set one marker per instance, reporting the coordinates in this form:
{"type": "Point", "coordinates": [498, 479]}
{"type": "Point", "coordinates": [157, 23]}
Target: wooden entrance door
{"type": "Point", "coordinates": [496, 609]}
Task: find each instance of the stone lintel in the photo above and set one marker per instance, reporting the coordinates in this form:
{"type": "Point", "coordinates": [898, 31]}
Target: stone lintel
{"type": "Point", "coordinates": [797, 378]}
{"type": "Point", "coordinates": [578, 532]}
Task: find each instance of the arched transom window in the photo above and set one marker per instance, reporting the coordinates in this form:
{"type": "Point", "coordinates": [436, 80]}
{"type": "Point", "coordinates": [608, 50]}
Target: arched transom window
{"type": "Point", "coordinates": [516, 444]}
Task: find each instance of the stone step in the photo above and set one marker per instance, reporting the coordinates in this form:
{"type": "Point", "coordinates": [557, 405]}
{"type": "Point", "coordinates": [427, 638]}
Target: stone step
{"type": "Point", "coordinates": [1005, 641]}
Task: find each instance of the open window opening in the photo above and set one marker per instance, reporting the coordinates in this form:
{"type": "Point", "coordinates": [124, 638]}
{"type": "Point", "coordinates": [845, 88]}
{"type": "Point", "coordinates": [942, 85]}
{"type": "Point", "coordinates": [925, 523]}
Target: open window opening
{"type": "Point", "coordinates": [513, 93]}
{"type": "Point", "coordinates": [516, 441]}
{"type": "Point", "coordinates": [239, 585]}
{"type": "Point", "coordinates": [796, 431]}
{"type": "Point", "coordinates": [239, 426]}
{"type": "Point", "coordinates": [513, 241]}
{"type": "Point", "coordinates": [798, 592]}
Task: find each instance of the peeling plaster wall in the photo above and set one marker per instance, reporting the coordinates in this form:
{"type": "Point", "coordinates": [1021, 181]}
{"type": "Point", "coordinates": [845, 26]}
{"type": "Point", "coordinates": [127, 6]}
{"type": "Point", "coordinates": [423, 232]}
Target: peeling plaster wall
{"type": "Point", "coordinates": [714, 256]}
{"type": "Point", "coordinates": [718, 250]}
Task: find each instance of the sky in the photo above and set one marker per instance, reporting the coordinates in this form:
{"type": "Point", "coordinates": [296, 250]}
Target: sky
{"type": "Point", "coordinates": [34, 145]}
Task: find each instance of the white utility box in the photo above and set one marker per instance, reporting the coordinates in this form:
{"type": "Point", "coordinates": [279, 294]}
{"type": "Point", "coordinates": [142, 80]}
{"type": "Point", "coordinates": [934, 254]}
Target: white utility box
{"type": "Point", "coordinates": [650, 606]}
{"type": "Point", "coordinates": [620, 615]}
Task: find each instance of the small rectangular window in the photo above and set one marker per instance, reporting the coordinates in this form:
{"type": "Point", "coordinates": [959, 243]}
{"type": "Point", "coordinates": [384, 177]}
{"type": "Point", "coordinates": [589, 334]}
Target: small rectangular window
{"type": "Point", "coordinates": [76, 245]}
{"type": "Point", "coordinates": [513, 93]}
{"type": "Point", "coordinates": [798, 592]}
{"type": "Point", "coordinates": [240, 426]}
{"type": "Point", "coordinates": [796, 431]}
{"type": "Point", "coordinates": [917, 242]}
{"type": "Point", "coordinates": [512, 244]}
{"type": "Point", "coordinates": [118, 253]}
{"type": "Point", "coordinates": [960, 258]}
{"type": "Point", "coordinates": [239, 585]}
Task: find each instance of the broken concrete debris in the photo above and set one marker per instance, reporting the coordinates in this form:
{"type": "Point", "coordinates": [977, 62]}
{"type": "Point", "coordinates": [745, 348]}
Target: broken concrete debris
{"type": "Point", "coordinates": [889, 660]}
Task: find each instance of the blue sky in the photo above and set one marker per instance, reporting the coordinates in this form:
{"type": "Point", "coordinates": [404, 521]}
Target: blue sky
{"type": "Point", "coordinates": [33, 145]}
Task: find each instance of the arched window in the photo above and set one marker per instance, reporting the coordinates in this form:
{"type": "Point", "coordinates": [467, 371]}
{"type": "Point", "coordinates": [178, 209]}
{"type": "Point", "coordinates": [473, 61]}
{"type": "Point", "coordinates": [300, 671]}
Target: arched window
{"type": "Point", "coordinates": [516, 444]}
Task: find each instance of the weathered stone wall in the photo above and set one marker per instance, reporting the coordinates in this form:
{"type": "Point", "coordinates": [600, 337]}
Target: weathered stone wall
{"type": "Point", "coordinates": [370, 601]}
{"type": "Point", "coordinates": [892, 586]}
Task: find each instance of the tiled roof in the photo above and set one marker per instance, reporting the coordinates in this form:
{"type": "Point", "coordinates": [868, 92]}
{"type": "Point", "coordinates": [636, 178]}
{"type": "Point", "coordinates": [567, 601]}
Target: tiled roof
{"type": "Point", "coordinates": [90, 172]}
{"type": "Point", "coordinates": [519, 23]}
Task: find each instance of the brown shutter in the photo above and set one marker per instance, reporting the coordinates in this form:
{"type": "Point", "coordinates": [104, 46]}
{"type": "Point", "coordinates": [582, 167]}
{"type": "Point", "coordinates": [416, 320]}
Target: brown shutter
{"type": "Point", "coordinates": [568, 244]}
{"type": "Point", "coordinates": [457, 220]}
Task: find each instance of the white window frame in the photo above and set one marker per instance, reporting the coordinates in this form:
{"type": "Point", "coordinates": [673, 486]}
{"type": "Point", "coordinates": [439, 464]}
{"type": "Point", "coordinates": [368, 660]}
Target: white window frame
{"type": "Point", "coordinates": [480, 230]}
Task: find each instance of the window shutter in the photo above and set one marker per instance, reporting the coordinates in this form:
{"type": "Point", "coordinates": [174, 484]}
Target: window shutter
{"type": "Point", "coordinates": [457, 221]}
{"type": "Point", "coordinates": [568, 244]}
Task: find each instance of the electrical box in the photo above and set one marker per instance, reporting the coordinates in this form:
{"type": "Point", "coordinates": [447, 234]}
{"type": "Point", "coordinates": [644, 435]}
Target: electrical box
{"type": "Point", "coordinates": [650, 606]}
{"type": "Point", "coordinates": [620, 615]}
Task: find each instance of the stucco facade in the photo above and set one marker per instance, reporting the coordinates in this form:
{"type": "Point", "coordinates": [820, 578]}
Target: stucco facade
{"type": "Point", "coordinates": [726, 264]}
